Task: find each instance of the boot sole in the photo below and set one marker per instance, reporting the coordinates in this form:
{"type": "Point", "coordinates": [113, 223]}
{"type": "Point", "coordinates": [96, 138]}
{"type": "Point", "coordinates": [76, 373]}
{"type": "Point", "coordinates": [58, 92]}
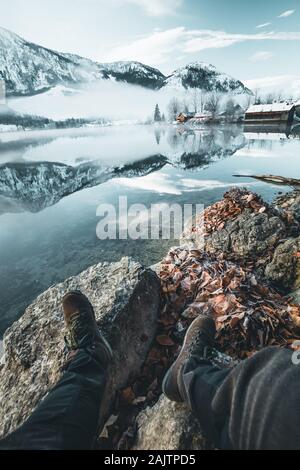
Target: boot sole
{"type": "Point", "coordinates": [176, 397]}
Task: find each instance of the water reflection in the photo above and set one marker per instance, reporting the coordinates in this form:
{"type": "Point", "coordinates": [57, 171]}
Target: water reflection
{"type": "Point", "coordinates": [29, 185]}
{"type": "Point", "coordinates": [52, 182]}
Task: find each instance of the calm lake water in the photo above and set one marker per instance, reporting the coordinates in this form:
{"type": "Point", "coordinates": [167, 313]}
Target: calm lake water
{"type": "Point", "coordinates": [52, 182]}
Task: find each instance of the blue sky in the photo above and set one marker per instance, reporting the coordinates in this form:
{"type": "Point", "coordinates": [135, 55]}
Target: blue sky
{"type": "Point", "coordinates": [170, 33]}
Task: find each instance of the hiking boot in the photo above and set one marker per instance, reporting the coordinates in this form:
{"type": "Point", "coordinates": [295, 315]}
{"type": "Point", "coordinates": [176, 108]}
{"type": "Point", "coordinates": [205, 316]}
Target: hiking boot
{"type": "Point", "coordinates": [198, 341]}
{"type": "Point", "coordinates": [83, 331]}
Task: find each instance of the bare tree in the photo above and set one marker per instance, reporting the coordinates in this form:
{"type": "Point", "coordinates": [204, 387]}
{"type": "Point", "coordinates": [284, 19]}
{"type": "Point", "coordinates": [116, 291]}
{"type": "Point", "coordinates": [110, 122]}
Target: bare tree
{"type": "Point", "coordinates": [257, 97]}
{"type": "Point", "coordinates": [198, 100]}
{"type": "Point", "coordinates": [249, 99]}
{"type": "Point", "coordinates": [173, 108]}
{"type": "Point", "coordinates": [203, 100]}
{"type": "Point", "coordinates": [230, 108]}
{"type": "Point", "coordinates": [185, 107]}
{"type": "Point", "coordinates": [269, 98]}
{"type": "Point", "coordinates": [195, 99]}
{"type": "Point", "coordinates": [213, 103]}
{"type": "Point", "coordinates": [279, 96]}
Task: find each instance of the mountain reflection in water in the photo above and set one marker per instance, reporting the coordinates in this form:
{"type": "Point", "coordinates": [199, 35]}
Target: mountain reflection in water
{"type": "Point", "coordinates": [51, 184]}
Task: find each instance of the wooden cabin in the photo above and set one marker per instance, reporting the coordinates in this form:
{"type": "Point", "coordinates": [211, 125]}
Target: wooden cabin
{"type": "Point", "coordinates": [194, 118]}
{"type": "Point", "coordinates": [184, 117]}
{"type": "Point", "coordinates": [283, 112]}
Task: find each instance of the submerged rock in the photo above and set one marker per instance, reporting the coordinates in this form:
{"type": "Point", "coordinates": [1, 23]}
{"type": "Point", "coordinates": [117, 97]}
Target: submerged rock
{"type": "Point", "coordinates": [126, 299]}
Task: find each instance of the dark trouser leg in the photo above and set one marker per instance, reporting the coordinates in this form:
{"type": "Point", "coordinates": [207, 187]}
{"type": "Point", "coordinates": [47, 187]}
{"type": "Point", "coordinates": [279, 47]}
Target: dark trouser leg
{"type": "Point", "coordinates": [256, 405]}
{"type": "Point", "coordinates": [201, 381]}
{"type": "Point", "coordinates": [68, 417]}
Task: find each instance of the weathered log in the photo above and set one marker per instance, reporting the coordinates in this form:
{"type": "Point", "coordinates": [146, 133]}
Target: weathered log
{"type": "Point", "coordinates": [278, 180]}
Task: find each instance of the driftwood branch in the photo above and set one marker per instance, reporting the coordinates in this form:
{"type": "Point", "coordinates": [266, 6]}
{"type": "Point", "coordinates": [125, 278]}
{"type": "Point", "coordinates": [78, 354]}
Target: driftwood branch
{"type": "Point", "coordinates": [278, 180]}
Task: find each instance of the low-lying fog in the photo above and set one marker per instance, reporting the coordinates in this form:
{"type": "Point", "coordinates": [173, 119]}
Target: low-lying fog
{"type": "Point", "coordinates": [107, 99]}
{"type": "Point", "coordinates": [111, 100]}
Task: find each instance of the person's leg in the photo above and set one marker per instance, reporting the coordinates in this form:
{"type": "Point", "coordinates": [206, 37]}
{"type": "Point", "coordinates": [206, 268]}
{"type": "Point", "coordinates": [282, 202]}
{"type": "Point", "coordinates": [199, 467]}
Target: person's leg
{"type": "Point", "coordinates": [260, 401]}
{"type": "Point", "coordinates": [194, 379]}
{"type": "Point", "coordinates": [255, 405]}
{"type": "Point", "coordinates": [200, 381]}
{"type": "Point", "coordinates": [68, 417]}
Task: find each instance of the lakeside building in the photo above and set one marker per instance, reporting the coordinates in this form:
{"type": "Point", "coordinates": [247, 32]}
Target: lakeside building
{"type": "Point", "coordinates": [282, 112]}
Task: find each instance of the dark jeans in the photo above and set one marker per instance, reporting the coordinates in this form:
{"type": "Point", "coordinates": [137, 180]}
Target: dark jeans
{"type": "Point", "coordinates": [68, 417]}
{"type": "Point", "coordinates": [255, 405]}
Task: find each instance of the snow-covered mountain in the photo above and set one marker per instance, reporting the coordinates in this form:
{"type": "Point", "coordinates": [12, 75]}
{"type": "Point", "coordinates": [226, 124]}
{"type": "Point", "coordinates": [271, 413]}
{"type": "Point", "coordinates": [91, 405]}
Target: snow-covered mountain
{"type": "Point", "coordinates": [131, 72]}
{"type": "Point", "coordinates": [206, 77]}
{"type": "Point", "coordinates": [29, 69]}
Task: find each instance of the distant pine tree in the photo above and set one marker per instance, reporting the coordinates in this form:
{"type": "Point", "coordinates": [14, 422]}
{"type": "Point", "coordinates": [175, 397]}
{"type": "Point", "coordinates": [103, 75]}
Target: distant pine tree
{"type": "Point", "coordinates": [163, 117]}
{"type": "Point", "coordinates": [157, 115]}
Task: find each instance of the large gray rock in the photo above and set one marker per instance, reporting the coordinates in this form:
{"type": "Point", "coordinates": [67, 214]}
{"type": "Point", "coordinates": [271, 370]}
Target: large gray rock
{"type": "Point", "coordinates": [126, 298]}
{"type": "Point", "coordinates": [290, 203]}
{"type": "Point", "coordinates": [284, 269]}
{"type": "Point", "coordinates": [168, 426]}
{"type": "Point", "coordinates": [250, 234]}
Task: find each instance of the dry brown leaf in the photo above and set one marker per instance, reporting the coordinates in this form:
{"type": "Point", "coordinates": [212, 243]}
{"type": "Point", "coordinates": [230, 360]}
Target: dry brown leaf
{"type": "Point", "coordinates": [128, 394]}
{"type": "Point", "coordinates": [165, 340]}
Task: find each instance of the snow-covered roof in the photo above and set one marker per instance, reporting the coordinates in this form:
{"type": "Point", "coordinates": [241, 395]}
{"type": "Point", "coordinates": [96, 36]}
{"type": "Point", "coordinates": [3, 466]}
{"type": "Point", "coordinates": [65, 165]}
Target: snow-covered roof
{"type": "Point", "coordinates": [202, 115]}
{"type": "Point", "coordinates": [269, 108]}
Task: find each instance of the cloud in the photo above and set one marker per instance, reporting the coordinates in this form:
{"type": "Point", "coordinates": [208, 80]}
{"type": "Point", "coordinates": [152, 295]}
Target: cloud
{"type": "Point", "coordinates": [153, 49]}
{"type": "Point", "coordinates": [156, 48]}
{"type": "Point", "coordinates": [287, 83]}
{"type": "Point", "coordinates": [263, 25]}
{"type": "Point", "coordinates": [158, 182]}
{"type": "Point", "coordinates": [261, 56]}
{"type": "Point", "coordinates": [157, 7]}
{"type": "Point", "coordinates": [268, 82]}
{"type": "Point", "coordinates": [286, 13]}
{"type": "Point", "coordinates": [208, 39]}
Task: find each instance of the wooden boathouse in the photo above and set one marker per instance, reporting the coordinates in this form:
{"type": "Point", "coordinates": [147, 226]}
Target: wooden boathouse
{"type": "Point", "coordinates": [283, 112]}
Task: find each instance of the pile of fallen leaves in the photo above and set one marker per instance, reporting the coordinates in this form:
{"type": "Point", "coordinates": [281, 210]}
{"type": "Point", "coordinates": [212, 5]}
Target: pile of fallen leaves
{"type": "Point", "coordinates": [249, 315]}
{"type": "Point", "coordinates": [230, 207]}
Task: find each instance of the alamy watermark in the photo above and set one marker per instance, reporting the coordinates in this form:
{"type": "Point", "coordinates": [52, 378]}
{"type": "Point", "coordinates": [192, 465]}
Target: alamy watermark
{"type": "Point", "coordinates": [139, 222]}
